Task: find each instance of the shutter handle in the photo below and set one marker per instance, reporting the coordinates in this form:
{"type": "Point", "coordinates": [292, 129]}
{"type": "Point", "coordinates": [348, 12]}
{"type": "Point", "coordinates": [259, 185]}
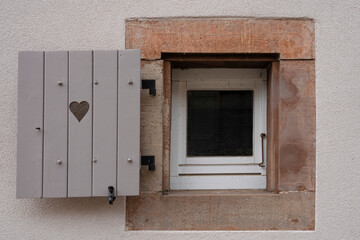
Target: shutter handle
{"type": "Point", "coordinates": [262, 164]}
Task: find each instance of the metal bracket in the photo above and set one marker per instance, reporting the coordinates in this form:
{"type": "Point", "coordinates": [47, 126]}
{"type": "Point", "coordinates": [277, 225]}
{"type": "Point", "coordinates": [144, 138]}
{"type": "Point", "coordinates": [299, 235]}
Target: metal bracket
{"type": "Point", "coordinates": [149, 84]}
{"type": "Point", "coordinates": [148, 160]}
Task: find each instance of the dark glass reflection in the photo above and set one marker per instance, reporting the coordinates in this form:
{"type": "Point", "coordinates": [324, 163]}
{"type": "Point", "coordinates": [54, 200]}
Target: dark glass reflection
{"type": "Point", "coordinates": [220, 123]}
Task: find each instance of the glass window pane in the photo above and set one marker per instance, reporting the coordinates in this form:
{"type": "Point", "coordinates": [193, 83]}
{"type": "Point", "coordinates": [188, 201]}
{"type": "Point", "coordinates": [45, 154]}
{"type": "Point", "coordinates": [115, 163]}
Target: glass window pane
{"type": "Point", "coordinates": [220, 123]}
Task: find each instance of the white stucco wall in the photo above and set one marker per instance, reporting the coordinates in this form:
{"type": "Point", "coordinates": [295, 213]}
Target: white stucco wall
{"type": "Point", "coordinates": [61, 24]}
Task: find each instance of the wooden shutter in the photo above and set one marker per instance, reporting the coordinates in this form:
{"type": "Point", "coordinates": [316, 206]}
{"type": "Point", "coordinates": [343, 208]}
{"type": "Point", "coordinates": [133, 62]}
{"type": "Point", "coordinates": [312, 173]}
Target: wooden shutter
{"type": "Point", "coordinates": [105, 121]}
{"type": "Point", "coordinates": [30, 125]}
{"type": "Point", "coordinates": [78, 123]}
{"type": "Point", "coordinates": [129, 123]}
{"type": "Point", "coordinates": [55, 124]}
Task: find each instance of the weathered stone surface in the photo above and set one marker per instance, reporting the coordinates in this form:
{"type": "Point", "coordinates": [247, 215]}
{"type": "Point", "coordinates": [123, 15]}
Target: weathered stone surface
{"type": "Point", "coordinates": [249, 211]}
{"type": "Point", "coordinates": [151, 126]}
{"type": "Point", "coordinates": [166, 126]}
{"type": "Point", "coordinates": [272, 138]}
{"type": "Point", "coordinates": [297, 125]}
{"type": "Point", "coordinates": [292, 38]}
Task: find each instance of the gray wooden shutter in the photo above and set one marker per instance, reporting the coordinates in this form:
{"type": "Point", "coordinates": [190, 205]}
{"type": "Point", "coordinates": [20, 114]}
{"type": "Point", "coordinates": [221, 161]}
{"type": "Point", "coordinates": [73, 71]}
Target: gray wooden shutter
{"type": "Point", "coordinates": [78, 123]}
{"type": "Point", "coordinates": [105, 121]}
{"type": "Point", "coordinates": [80, 126]}
{"type": "Point", "coordinates": [129, 123]}
{"type": "Point", "coordinates": [30, 125]}
{"type": "Point", "coordinates": [55, 124]}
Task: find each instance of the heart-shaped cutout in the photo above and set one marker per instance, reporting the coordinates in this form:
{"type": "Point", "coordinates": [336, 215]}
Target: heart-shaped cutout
{"type": "Point", "coordinates": [79, 109]}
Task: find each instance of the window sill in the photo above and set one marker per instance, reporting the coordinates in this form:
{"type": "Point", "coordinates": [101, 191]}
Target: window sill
{"type": "Point", "coordinates": [221, 210]}
{"type": "Point", "coordinates": [251, 192]}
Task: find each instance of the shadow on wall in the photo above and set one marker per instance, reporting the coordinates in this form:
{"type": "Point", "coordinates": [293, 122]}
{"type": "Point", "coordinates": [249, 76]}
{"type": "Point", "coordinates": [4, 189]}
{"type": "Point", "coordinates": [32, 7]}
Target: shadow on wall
{"type": "Point", "coordinates": [71, 207]}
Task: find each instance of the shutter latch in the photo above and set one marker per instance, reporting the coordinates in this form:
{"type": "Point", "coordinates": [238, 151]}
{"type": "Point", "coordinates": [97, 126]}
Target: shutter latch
{"type": "Point", "coordinates": [111, 195]}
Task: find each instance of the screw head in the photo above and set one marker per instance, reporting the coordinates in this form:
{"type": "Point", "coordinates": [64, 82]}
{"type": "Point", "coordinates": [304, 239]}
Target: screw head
{"type": "Point", "coordinates": [94, 160]}
{"type": "Point", "coordinates": [130, 82]}
{"type": "Point", "coordinates": [129, 159]}
{"type": "Point", "coordinates": [60, 83]}
{"type": "Point", "coordinates": [59, 162]}
{"type": "Point", "coordinates": [96, 82]}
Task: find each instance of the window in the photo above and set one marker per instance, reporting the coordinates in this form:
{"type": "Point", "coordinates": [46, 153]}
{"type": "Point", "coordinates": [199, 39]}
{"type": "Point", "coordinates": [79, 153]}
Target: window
{"type": "Point", "coordinates": [218, 115]}
{"type": "Point", "coordinates": [289, 57]}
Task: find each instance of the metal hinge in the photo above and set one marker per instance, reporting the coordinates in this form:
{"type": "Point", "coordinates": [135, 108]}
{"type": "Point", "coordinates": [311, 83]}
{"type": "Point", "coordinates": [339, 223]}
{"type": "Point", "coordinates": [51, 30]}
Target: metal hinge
{"type": "Point", "coordinates": [149, 84]}
{"type": "Point", "coordinates": [148, 160]}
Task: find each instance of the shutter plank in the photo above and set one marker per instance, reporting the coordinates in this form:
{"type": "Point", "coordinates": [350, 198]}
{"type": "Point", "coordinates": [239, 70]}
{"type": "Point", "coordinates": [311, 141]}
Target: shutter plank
{"type": "Point", "coordinates": [80, 133]}
{"type": "Point", "coordinates": [30, 117]}
{"type": "Point", "coordinates": [129, 123]}
{"type": "Point", "coordinates": [55, 124]}
{"type": "Point", "coordinates": [105, 122]}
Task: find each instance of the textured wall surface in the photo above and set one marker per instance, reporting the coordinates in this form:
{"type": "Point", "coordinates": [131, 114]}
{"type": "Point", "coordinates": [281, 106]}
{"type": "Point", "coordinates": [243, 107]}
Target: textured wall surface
{"type": "Point", "coordinates": [293, 39]}
{"type": "Point", "coordinates": [69, 25]}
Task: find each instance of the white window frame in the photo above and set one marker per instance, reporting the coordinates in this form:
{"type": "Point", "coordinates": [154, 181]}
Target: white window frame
{"type": "Point", "coordinates": [188, 173]}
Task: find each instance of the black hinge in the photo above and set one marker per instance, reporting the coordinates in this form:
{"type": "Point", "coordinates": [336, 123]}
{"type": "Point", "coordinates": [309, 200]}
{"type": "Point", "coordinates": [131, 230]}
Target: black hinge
{"type": "Point", "coordinates": [149, 84]}
{"type": "Point", "coordinates": [148, 160]}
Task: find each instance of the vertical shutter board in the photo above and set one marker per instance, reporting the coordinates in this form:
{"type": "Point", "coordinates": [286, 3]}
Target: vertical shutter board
{"type": "Point", "coordinates": [55, 124]}
{"type": "Point", "coordinates": [105, 121]}
{"type": "Point", "coordinates": [80, 124]}
{"type": "Point", "coordinates": [129, 123]}
{"type": "Point", "coordinates": [30, 117]}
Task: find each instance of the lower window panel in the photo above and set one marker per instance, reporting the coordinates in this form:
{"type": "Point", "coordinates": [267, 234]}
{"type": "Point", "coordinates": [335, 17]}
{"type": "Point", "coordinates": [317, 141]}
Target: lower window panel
{"type": "Point", "coordinates": [218, 182]}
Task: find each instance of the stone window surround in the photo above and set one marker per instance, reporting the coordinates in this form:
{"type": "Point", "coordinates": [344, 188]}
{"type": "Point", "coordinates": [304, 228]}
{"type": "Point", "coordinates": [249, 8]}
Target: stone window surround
{"type": "Point", "coordinates": [286, 48]}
